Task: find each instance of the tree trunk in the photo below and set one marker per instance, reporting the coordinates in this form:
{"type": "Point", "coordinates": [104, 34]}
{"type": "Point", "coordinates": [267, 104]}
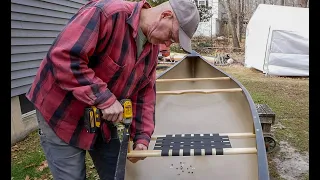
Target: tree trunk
{"type": "Point", "coordinates": [231, 23]}
{"type": "Point", "coordinates": [303, 3]}
{"type": "Point", "coordinates": [242, 17]}
{"type": "Point", "coordinates": [238, 20]}
{"type": "Point", "coordinates": [282, 2]}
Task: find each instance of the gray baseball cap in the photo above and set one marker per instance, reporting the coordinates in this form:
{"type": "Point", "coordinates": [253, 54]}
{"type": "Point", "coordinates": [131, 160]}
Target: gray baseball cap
{"type": "Point", "coordinates": [188, 17]}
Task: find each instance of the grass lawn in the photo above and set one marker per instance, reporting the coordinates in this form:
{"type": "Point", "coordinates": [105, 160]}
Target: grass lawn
{"type": "Point", "coordinates": [288, 98]}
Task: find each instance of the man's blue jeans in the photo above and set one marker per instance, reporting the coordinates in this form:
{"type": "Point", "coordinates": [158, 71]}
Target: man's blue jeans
{"type": "Point", "coordinates": [68, 163]}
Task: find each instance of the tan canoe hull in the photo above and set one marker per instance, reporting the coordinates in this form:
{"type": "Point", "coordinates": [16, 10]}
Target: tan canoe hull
{"type": "Point", "coordinates": [212, 103]}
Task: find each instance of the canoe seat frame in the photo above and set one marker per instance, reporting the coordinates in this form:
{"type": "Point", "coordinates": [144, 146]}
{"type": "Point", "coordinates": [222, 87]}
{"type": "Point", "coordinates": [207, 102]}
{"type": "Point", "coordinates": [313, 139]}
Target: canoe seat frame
{"type": "Point", "coordinates": [203, 145]}
{"type": "Point", "coordinates": [196, 91]}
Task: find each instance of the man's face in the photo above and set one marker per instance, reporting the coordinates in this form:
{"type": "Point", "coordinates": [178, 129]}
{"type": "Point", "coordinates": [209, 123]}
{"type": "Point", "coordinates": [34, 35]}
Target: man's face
{"type": "Point", "coordinates": [165, 30]}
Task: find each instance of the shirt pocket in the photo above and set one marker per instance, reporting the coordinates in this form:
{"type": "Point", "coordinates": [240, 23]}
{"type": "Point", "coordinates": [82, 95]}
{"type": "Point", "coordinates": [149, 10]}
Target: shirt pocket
{"type": "Point", "coordinates": [107, 68]}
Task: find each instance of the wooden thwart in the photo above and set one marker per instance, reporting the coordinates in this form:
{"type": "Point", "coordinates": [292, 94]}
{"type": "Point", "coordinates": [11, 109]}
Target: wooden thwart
{"type": "Point", "coordinates": [193, 79]}
{"type": "Point", "coordinates": [198, 91]}
{"type": "Point", "coordinates": [230, 135]}
{"type": "Point", "coordinates": [157, 153]}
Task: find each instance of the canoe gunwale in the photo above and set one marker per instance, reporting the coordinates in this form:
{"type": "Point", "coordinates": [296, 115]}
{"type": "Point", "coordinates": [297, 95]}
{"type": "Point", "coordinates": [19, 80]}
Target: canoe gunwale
{"type": "Point", "coordinates": [263, 172]}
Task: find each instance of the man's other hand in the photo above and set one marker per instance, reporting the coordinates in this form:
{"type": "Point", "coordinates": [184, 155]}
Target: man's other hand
{"type": "Point", "coordinates": [113, 113]}
{"type": "Point", "coordinates": [138, 147]}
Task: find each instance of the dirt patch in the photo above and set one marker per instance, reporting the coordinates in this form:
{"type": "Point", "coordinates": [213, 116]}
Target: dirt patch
{"type": "Point", "coordinates": [291, 165]}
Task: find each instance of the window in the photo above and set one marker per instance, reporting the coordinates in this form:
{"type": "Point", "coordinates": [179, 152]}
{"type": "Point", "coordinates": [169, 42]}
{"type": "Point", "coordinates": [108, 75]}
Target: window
{"type": "Point", "coordinates": [25, 104]}
{"type": "Point", "coordinates": [203, 3]}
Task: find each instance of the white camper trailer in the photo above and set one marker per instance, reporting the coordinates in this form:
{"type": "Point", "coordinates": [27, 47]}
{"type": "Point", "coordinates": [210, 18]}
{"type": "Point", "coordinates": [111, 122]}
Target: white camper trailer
{"type": "Point", "coordinates": [277, 40]}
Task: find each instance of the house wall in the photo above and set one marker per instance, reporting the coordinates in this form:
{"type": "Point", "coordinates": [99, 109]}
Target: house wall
{"type": "Point", "coordinates": [34, 26]}
{"type": "Point", "coordinates": [211, 28]}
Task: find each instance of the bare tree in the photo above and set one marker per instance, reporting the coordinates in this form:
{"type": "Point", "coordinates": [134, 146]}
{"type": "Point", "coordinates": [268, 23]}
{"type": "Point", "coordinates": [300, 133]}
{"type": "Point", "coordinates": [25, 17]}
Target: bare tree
{"type": "Point", "coordinates": [238, 11]}
{"type": "Point", "coordinates": [240, 18]}
{"type": "Point", "coordinates": [231, 22]}
{"type": "Point", "coordinates": [282, 2]}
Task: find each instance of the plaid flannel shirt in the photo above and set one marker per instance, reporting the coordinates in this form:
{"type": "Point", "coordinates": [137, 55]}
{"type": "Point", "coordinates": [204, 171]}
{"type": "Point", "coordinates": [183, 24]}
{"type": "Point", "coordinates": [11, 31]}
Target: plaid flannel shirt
{"type": "Point", "coordinates": [93, 61]}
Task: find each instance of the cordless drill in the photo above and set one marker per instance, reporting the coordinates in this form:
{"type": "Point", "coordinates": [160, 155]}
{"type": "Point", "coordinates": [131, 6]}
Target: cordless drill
{"type": "Point", "coordinates": [93, 118]}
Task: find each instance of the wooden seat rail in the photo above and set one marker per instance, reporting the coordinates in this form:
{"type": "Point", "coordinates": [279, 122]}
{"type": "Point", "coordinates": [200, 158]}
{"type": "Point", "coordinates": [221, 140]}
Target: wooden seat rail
{"type": "Point", "coordinates": [226, 151]}
{"type": "Point", "coordinates": [193, 79]}
{"type": "Point", "coordinates": [230, 135]}
{"type": "Point", "coordinates": [199, 91]}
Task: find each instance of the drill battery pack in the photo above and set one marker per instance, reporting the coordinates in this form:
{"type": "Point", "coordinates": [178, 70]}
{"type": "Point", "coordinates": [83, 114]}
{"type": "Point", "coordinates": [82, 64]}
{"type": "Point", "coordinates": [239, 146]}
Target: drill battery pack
{"type": "Point", "coordinates": [92, 119]}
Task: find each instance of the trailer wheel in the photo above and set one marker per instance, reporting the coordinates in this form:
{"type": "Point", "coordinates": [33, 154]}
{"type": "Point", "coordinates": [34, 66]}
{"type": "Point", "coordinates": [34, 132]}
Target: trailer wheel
{"type": "Point", "coordinates": [270, 143]}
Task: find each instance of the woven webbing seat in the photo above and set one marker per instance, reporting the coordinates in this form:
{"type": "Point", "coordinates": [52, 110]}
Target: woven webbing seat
{"type": "Point", "coordinates": [191, 144]}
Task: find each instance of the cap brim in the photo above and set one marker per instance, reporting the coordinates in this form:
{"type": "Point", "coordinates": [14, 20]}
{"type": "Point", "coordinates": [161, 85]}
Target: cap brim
{"type": "Point", "coordinates": [185, 41]}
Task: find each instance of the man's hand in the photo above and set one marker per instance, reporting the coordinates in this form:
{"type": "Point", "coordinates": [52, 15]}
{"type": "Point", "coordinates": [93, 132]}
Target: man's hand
{"type": "Point", "coordinates": [138, 147]}
{"type": "Point", "coordinates": [113, 113]}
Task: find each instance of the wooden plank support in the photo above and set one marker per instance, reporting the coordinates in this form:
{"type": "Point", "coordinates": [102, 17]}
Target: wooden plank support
{"type": "Point", "coordinates": [230, 135]}
{"type": "Point", "coordinates": [226, 151]}
{"type": "Point", "coordinates": [199, 91]}
{"type": "Point", "coordinates": [193, 79]}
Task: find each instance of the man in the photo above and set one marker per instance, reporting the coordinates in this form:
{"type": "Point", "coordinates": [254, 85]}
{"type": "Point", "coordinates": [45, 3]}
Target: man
{"type": "Point", "coordinates": [107, 52]}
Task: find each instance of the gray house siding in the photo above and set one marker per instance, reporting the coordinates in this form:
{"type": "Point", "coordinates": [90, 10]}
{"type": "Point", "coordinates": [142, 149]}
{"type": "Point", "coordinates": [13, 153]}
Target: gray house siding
{"type": "Point", "coordinates": [34, 26]}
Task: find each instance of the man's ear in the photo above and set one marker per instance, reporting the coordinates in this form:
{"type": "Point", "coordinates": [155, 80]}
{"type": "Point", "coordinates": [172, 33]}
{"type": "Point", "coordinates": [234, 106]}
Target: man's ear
{"type": "Point", "coordinates": [167, 14]}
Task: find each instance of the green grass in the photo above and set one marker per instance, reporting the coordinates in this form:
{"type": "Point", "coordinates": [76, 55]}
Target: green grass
{"type": "Point", "coordinates": [28, 166]}
{"type": "Point", "coordinates": [27, 156]}
{"type": "Point", "coordinates": [289, 100]}
{"type": "Point", "coordinates": [306, 176]}
{"type": "Point", "coordinates": [287, 97]}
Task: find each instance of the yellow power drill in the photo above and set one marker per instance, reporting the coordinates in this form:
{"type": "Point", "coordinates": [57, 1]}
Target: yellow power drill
{"type": "Point", "coordinates": [92, 118]}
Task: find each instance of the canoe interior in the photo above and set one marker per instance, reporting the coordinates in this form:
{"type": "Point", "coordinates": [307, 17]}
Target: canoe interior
{"type": "Point", "coordinates": [224, 112]}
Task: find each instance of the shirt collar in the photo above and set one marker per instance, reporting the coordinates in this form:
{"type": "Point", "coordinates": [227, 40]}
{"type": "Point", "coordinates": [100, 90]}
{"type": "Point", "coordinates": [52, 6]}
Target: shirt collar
{"type": "Point", "coordinates": [134, 18]}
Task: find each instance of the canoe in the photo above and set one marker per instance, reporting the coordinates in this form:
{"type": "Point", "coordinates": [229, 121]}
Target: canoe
{"type": "Point", "coordinates": [207, 127]}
